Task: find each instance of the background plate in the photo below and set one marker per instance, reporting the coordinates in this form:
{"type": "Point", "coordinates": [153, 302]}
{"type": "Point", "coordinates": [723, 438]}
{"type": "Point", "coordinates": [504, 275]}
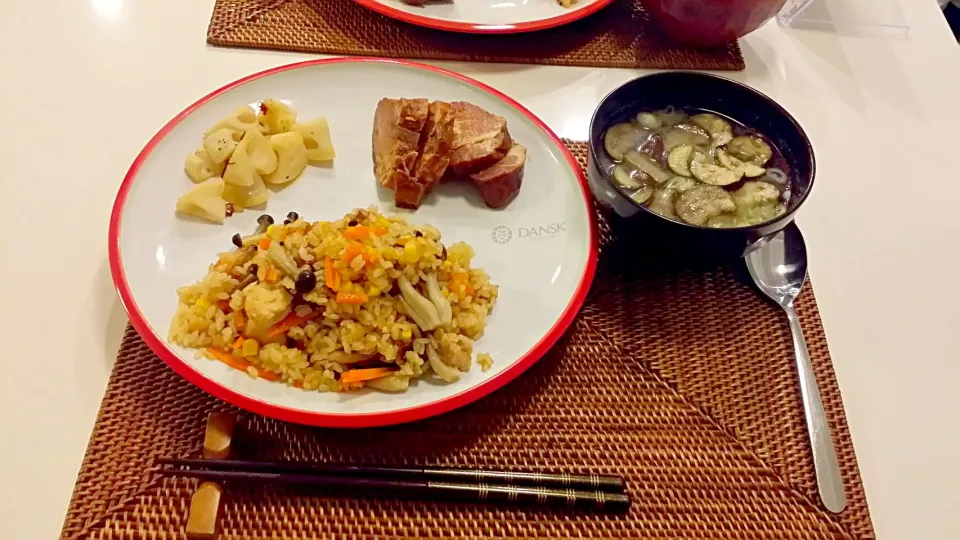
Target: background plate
{"type": "Point", "coordinates": [487, 16]}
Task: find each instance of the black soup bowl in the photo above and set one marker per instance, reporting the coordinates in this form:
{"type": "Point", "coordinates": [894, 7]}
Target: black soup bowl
{"type": "Point", "coordinates": [680, 242]}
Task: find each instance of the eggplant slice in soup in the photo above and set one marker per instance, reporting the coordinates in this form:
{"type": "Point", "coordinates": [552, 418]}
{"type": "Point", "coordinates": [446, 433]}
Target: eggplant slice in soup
{"type": "Point", "coordinates": [703, 157]}
{"type": "Point", "coordinates": [701, 203]}
{"type": "Point", "coordinates": [663, 203]}
{"type": "Point", "coordinates": [685, 134]}
{"type": "Point", "coordinates": [719, 129]}
{"type": "Point", "coordinates": [642, 195]}
{"type": "Point", "coordinates": [757, 202]}
{"type": "Point", "coordinates": [715, 175]}
{"type": "Point", "coordinates": [679, 159]}
{"type": "Point", "coordinates": [648, 166]}
{"type": "Point", "coordinates": [745, 168]}
{"type": "Point", "coordinates": [649, 121]}
{"type": "Point", "coordinates": [750, 148]}
{"type": "Point", "coordinates": [623, 176]}
{"type": "Point", "coordinates": [681, 184]}
{"type": "Point", "coordinates": [671, 117]}
{"type": "Point", "coordinates": [622, 138]}
{"type": "Point", "coordinates": [654, 148]}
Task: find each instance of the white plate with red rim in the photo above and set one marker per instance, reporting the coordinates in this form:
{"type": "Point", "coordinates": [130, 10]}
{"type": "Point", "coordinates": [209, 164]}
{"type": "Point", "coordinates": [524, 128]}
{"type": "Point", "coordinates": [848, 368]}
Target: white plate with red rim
{"type": "Point", "coordinates": [541, 249]}
{"type": "Point", "coordinates": [487, 16]}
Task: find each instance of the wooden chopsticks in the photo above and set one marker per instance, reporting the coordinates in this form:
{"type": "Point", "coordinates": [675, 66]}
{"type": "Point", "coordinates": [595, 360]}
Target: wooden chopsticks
{"type": "Point", "coordinates": [593, 492]}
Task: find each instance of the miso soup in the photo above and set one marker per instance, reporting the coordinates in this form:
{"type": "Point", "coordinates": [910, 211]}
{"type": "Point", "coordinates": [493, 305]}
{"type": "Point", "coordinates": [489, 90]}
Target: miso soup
{"type": "Point", "coordinates": [699, 168]}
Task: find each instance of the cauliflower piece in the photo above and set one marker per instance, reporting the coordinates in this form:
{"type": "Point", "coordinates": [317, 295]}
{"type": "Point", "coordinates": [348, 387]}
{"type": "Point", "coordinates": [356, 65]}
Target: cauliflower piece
{"type": "Point", "coordinates": [266, 305]}
{"type": "Point", "coordinates": [456, 350]}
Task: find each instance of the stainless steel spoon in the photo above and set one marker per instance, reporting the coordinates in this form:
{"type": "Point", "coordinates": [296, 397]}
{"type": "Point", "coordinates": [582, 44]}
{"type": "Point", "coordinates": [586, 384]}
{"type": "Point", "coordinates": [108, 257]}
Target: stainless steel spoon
{"type": "Point", "coordinates": [779, 268]}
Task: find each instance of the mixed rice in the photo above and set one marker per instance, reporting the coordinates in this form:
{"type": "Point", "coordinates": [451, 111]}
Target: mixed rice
{"type": "Point", "coordinates": [364, 301]}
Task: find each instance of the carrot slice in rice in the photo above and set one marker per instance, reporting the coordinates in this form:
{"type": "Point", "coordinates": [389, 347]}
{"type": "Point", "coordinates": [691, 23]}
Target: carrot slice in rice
{"type": "Point", "coordinates": [371, 256]}
{"type": "Point", "coordinates": [271, 275]}
{"type": "Point", "coordinates": [239, 363]}
{"type": "Point", "coordinates": [331, 276]}
{"type": "Point", "coordinates": [264, 244]}
{"type": "Point", "coordinates": [360, 375]}
{"type": "Point", "coordinates": [461, 283]}
{"type": "Point", "coordinates": [361, 233]}
{"type": "Point", "coordinates": [353, 298]}
{"type": "Point", "coordinates": [358, 233]}
{"type": "Point", "coordinates": [352, 251]}
{"type": "Point", "coordinates": [239, 319]}
{"type": "Point", "coordinates": [289, 322]}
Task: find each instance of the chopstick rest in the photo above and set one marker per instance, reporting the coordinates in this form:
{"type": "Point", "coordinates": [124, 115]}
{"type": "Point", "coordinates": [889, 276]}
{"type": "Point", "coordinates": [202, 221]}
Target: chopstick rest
{"type": "Point", "coordinates": [218, 437]}
{"type": "Point", "coordinates": [204, 510]}
{"type": "Point", "coordinates": [205, 503]}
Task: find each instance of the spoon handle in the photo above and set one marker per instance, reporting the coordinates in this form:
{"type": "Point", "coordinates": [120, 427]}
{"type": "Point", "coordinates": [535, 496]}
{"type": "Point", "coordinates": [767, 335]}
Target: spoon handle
{"type": "Point", "coordinates": [825, 463]}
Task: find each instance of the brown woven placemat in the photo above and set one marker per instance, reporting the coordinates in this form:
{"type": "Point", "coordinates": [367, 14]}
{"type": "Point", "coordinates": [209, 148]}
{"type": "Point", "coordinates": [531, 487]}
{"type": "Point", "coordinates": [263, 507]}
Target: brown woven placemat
{"type": "Point", "coordinates": [620, 35]}
{"type": "Point", "coordinates": [681, 381]}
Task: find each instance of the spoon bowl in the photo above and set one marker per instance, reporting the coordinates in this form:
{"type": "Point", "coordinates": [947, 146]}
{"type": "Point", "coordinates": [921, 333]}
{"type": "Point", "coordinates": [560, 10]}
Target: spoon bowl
{"type": "Point", "coordinates": [779, 265]}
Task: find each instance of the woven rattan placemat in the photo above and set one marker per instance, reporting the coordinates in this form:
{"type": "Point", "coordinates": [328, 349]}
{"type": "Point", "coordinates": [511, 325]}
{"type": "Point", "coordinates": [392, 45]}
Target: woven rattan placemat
{"type": "Point", "coordinates": [680, 381]}
{"type": "Point", "coordinates": [620, 35]}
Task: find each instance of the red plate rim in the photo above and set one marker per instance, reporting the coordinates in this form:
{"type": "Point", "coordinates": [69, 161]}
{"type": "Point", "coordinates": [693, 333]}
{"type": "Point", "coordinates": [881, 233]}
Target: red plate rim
{"type": "Point", "coordinates": [475, 28]}
{"type": "Point", "coordinates": [350, 420]}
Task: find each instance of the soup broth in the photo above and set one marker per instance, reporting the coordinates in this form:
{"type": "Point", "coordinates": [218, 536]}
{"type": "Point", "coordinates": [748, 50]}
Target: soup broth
{"type": "Point", "coordinates": [699, 168]}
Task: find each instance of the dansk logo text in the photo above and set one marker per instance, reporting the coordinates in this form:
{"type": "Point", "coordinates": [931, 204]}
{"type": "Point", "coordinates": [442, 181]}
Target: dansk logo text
{"type": "Point", "coordinates": [540, 231]}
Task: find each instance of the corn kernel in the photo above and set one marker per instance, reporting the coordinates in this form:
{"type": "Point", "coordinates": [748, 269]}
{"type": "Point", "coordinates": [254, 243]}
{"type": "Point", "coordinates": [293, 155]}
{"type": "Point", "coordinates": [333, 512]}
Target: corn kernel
{"type": "Point", "coordinates": [411, 253]}
{"type": "Point", "coordinates": [373, 291]}
{"type": "Point", "coordinates": [250, 347]}
{"type": "Point", "coordinates": [202, 305]}
{"type": "Point", "coordinates": [406, 334]}
{"type": "Point", "coordinates": [383, 222]}
{"type": "Point", "coordinates": [275, 231]}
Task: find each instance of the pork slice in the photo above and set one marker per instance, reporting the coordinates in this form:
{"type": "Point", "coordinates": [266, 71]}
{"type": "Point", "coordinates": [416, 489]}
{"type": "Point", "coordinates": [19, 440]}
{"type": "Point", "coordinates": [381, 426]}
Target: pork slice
{"type": "Point", "coordinates": [432, 160]}
{"type": "Point", "coordinates": [480, 138]}
{"type": "Point", "coordinates": [500, 183]}
{"type": "Point", "coordinates": [408, 191]}
{"type": "Point", "coordinates": [397, 124]}
{"type": "Point", "coordinates": [436, 142]}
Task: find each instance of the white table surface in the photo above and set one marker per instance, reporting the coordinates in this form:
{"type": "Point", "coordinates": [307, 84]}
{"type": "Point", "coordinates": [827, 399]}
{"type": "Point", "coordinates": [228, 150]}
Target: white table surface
{"type": "Point", "coordinates": [85, 83]}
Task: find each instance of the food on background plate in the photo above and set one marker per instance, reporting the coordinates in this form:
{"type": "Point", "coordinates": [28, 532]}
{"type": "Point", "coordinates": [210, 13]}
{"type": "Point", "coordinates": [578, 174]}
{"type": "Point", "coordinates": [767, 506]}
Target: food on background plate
{"type": "Point", "coordinates": [363, 301]}
{"type": "Point", "coordinates": [416, 143]}
{"type": "Point", "coordinates": [698, 168]}
{"type": "Point", "coordinates": [564, 3]}
{"type": "Point", "coordinates": [247, 150]}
